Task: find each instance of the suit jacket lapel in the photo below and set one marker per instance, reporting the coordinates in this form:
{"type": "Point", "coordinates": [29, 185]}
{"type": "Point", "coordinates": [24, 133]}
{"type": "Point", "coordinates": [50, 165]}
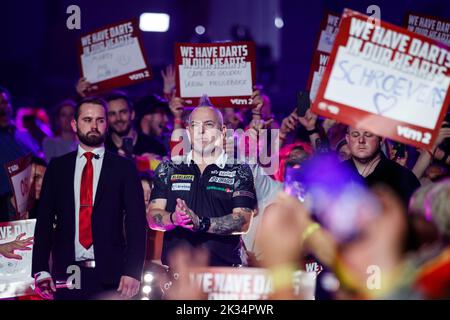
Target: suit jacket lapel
{"type": "Point", "coordinates": [71, 193]}
{"type": "Point", "coordinates": [103, 179]}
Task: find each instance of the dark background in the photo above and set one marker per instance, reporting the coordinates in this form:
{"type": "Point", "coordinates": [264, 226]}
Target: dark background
{"type": "Point", "coordinates": [38, 56]}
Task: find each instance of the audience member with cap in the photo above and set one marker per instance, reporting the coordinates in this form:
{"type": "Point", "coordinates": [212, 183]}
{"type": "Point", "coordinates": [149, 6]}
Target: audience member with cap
{"type": "Point", "coordinates": [152, 119]}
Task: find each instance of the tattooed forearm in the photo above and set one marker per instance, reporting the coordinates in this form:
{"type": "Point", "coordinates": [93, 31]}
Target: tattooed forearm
{"type": "Point", "coordinates": [158, 219]}
{"type": "Point", "coordinates": [235, 223]}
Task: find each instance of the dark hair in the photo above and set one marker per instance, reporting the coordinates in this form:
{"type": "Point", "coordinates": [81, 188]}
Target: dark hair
{"type": "Point", "coordinates": [57, 111]}
{"type": "Point", "coordinates": [116, 94]}
{"type": "Point", "coordinates": [39, 161]}
{"type": "Point", "coordinates": [94, 100]}
{"type": "Point", "coordinates": [146, 176]}
{"type": "Point", "coordinates": [150, 104]}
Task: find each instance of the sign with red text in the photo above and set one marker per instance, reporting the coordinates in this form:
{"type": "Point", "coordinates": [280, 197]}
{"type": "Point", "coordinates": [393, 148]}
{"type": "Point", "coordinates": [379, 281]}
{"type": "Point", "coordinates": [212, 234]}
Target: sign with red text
{"type": "Point", "coordinates": [15, 274]}
{"type": "Point", "coordinates": [328, 30]}
{"type": "Point", "coordinates": [221, 283]}
{"type": "Point", "coordinates": [19, 174]}
{"type": "Point", "coordinates": [387, 80]}
{"type": "Point", "coordinates": [433, 27]}
{"type": "Point", "coordinates": [223, 71]}
{"type": "Point", "coordinates": [114, 56]}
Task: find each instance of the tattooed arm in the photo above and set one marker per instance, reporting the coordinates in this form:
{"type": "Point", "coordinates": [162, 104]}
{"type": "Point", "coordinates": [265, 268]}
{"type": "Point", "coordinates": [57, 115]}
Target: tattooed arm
{"type": "Point", "coordinates": [238, 222]}
{"type": "Point", "coordinates": [157, 216]}
{"type": "Point", "coordinates": [232, 224]}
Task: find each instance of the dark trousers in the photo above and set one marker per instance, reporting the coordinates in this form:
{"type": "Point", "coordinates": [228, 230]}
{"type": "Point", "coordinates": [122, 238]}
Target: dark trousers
{"type": "Point", "coordinates": [91, 288]}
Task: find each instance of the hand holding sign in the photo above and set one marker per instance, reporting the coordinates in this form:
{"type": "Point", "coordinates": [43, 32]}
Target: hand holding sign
{"type": "Point", "coordinates": [8, 249]}
{"type": "Point", "coordinates": [84, 87]}
{"type": "Point", "coordinates": [169, 80]}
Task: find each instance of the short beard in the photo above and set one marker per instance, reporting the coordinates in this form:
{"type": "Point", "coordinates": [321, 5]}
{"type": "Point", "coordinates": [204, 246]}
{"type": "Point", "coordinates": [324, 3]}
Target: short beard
{"type": "Point", "coordinates": [91, 141]}
{"type": "Point", "coordinates": [121, 133]}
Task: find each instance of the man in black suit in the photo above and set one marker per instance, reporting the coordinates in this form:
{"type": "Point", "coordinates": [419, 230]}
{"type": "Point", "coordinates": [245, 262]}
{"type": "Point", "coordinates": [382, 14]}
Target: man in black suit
{"type": "Point", "coordinates": [91, 217]}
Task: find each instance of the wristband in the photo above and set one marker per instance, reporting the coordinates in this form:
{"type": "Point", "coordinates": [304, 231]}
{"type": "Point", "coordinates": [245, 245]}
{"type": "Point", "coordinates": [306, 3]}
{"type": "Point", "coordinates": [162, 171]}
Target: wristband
{"type": "Point", "coordinates": [204, 224]}
{"type": "Point", "coordinates": [171, 218]}
{"type": "Point", "coordinates": [310, 230]}
{"type": "Point", "coordinates": [282, 276]}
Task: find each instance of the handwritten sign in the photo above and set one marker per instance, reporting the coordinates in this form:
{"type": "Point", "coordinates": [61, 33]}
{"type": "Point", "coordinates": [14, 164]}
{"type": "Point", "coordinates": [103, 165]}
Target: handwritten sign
{"type": "Point", "coordinates": [387, 80]}
{"type": "Point", "coordinates": [15, 275]}
{"type": "Point", "coordinates": [327, 34]}
{"type": "Point", "coordinates": [221, 283]}
{"type": "Point", "coordinates": [114, 56]}
{"type": "Point", "coordinates": [432, 27]}
{"type": "Point", "coordinates": [223, 71]}
{"type": "Point", "coordinates": [19, 174]}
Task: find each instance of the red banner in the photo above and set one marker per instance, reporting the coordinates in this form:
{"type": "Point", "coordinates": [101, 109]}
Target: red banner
{"type": "Point", "coordinates": [325, 39]}
{"type": "Point", "coordinates": [19, 175]}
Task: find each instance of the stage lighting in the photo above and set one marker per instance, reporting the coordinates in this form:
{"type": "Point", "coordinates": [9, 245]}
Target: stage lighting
{"type": "Point", "coordinates": [154, 22]}
{"type": "Point", "coordinates": [200, 30]}
{"type": "Point", "coordinates": [279, 23]}
{"type": "Point", "coordinates": [146, 289]}
{"type": "Point", "coordinates": [148, 277]}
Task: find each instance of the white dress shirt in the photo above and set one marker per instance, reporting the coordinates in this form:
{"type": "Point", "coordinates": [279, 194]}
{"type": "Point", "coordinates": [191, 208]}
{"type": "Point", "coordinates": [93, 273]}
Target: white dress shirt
{"type": "Point", "coordinates": [81, 253]}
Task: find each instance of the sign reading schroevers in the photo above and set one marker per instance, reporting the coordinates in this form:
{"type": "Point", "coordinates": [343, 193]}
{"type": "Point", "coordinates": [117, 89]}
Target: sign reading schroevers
{"type": "Point", "coordinates": [387, 80]}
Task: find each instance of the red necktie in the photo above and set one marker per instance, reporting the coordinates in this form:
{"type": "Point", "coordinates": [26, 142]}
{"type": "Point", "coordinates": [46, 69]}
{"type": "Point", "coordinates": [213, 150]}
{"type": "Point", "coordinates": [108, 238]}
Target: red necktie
{"type": "Point", "coordinates": [86, 202]}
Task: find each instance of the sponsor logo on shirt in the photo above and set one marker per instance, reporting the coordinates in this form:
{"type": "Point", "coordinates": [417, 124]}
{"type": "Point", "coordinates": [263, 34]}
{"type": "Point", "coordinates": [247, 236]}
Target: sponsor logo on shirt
{"type": "Point", "coordinates": [227, 190]}
{"type": "Point", "coordinates": [181, 186]}
{"type": "Point", "coordinates": [182, 177]}
{"type": "Point", "coordinates": [243, 193]}
{"type": "Point", "coordinates": [222, 180]}
{"type": "Point", "coordinates": [229, 174]}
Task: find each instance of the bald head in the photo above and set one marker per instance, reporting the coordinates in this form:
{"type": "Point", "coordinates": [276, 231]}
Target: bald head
{"type": "Point", "coordinates": [206, 113]}
{"type": "Point", "coordinates": [206, 129]}
{"type": "Point", "coordinates": [363, 145]}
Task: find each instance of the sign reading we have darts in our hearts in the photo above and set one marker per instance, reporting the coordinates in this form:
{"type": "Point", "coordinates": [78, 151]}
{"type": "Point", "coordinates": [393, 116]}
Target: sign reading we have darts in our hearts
{"type": "Point", "coordinates": [432, 27]}
{"type": "Point", "coordinates": [387, 80]}
{"type": "Point", "coordinates": [224, 71]}
{"type": "Point", "coordinates": [113, 56]}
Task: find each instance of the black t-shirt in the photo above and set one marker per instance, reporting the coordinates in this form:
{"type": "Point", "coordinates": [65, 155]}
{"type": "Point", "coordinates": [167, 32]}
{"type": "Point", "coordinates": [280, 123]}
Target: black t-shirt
{"type": "Point", "coordinates": [144, 144]}
{"type": "Point", "coordinates": [215, 193]}
{"type": "Point", "coordinates": [389, 172]}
